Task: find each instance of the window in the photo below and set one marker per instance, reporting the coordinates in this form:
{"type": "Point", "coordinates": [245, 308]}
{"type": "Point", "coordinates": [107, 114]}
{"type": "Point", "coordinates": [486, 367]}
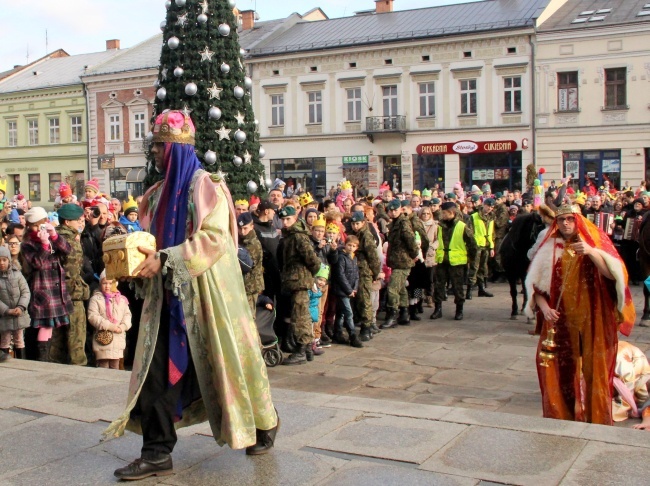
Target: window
{"type": "Point", "coordinates": [468, 96]}
{"type": "Point", "coordinates": [32, 131]}
{"type": "Point", "coordinates": [615, 88]}
{"type": "Point", "coordinates": [138, 126]}
{"type": "Point", "coordinates": [277, 110]}
{"type": "Point", "coordinates": [54, 130]}
{"type": "Point", "coordinates": [75, 129]}
{"type": "Point", "coordinates": [567, 91]}
{"type": "Point", "coordinates": [427, 99]}
{"type": "Point", "coordinates": [114, 128]}
{"type": "Point", "coordinates": [35, 187]}
{"type": "Point", "coordinates": [315, 107]}
{"type": "Point", "coordinates": [306, 174]}
{"type": "Point", "coordinates": [389, 94]}
{"type": "Point", "coordinates": [16, 179]}
{"type": "Point", "coordinates": [354, 104]}
{"type": "Point", "coordinates": [512, 92]}
{"type": "Point", "coordinates": [12, 133]}
{"type": "Point", "coordinates": [55, 182]}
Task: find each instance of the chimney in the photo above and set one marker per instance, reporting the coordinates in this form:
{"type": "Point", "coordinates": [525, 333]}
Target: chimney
{"type": "Point", "coordinates": [247, 19]}
{"type": "Point", "coordinates": [112, 44]}
{"type": "Point", "coordinates": [383, 6]}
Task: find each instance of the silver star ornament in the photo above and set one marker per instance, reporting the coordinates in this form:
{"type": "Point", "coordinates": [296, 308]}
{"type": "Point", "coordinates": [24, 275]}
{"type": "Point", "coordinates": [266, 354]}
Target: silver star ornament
{"type": "Point", "coordinates": [247, 157]}
{"type": "Point", "coordinates": [182, 20]}
{"type": "Point", "coordinates": [224, 133]}
{"type": "Point", "coordinates": [186, 111]}
{"type": "Point", "coordinates": [206, 55]}
{"type": "Point", "coordinates": [163, 74]}
{"type": "Point", "coordinates": [204, 6]}
{"type": "Point", "coordinates": [240, 118]}
{"type": "Point", "coordinates": [215, 92]}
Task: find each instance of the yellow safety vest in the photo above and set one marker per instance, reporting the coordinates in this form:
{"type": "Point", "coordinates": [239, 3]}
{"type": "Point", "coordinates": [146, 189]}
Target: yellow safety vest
{"type": "Point", "coordinates": [481, 235]}
{"type": "Point", "coordinates": [457, 248]}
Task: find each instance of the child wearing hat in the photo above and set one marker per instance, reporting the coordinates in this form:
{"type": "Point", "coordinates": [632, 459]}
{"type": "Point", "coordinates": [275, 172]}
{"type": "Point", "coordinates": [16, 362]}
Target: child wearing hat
{"type": "Point", "coordinates": [14, 300]}
{"type": "Point", "coordinates": [253, 280]}
{"type": "Point", "coordinates": [130, 217]}
{"type": "Point", "coordinates": [91, 191]}
{"type": "Point", "coordinates": [108, 310]}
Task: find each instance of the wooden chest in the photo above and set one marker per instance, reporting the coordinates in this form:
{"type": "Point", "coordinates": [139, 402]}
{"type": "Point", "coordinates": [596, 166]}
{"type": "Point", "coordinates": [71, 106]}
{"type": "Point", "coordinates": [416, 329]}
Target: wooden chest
{"type": "Point", "coordinates": [121, 254]}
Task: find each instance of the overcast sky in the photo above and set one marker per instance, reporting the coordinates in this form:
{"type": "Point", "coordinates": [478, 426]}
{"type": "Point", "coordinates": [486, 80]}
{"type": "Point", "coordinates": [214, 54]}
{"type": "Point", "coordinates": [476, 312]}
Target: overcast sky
{"type": "Point", "coordinates": [81, 26]}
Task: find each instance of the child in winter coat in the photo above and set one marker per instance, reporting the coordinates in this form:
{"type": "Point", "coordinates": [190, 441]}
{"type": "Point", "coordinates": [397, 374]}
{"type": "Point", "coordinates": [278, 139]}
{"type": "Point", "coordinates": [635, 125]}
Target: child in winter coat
{"type": "Point", "coordinates": [130, 218]}
{"type": "Point", "coordinates": [346, 283]}
{"type": "Point", "coordinates": [14, 299]}
{"type": "Point", "coordinates": [316, 294]}
{"type": "Point", "coordinates": [108, 310]}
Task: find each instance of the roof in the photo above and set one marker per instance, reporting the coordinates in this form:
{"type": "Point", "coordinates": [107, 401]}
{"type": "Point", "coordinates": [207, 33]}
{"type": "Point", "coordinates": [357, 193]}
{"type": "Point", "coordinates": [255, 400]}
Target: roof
{"type": "Point", "coordinates": [251, 38]}
{"type": "Point", "coordinates": [595, 15]}
{"type": "Point", "coordinates": [406, 25]}
{"type": "Point", "coordinates": [53, 54]}
{"type": "Point", "coordinates": [144, 55]}
{"type": "Point", "coordinates": [53, 72]}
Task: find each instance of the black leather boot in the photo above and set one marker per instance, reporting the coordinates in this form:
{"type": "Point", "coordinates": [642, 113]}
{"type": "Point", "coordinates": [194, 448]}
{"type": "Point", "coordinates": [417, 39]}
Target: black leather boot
{"type": "Point", "coordinates": [265, 440]}
{"type": "Point", "coordinates": [374, 329]}
{"type": "Point", "coordinates": [391, 319]}
{"type": "Point", "coordinates": [404, 318]}
{"type": "Point", "coordinates": [355, 342]}
{"type": "Point", "coordinates": [418, 307]}
{"type": "Point", "coordinates": [339, 338]}
{"type": "Point", "coordinates": [309, 352]}
{"type": "Point", "coordinates": [413, 311]}
{"type": "Point", "coordinates": [482, 292]}
{"type": "Point", "coordinates": [19, 353]}
{"type": "Point", "coordinates": [143, 468]}
{"type": "Point", "coordinates": [366, 334]}
{"type": "Point", "coordinates": [468, 294]}
{"type": "Point", "coordinates": [437, 312]}
{"type": "Point", "coordinates": [44, 350]}
{"type": "Point", "coordinates": [298, 357]}
{"type": "Point", "coordinates": [4, 354]}
{"type": "Point", "coordinates": [459, 312]}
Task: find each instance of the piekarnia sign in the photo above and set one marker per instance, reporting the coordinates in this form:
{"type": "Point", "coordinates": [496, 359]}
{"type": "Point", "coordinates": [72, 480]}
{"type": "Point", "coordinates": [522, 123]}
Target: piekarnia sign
{"type": "Point", "coordinates": [467, 147]}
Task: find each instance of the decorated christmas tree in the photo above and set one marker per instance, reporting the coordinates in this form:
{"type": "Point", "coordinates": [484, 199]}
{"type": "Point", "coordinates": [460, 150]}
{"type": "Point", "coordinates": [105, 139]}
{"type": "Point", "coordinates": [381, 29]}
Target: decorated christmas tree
{"type": "Point", "coordinates": [202, 73]}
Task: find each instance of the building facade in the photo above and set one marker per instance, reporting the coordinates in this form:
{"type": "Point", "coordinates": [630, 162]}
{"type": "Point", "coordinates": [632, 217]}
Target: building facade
{"type": "Point", "coordinates": [593, 96]}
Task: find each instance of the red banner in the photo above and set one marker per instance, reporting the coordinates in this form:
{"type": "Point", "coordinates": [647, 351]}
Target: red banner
{"type": "Point", "coordinates": [467, 147]}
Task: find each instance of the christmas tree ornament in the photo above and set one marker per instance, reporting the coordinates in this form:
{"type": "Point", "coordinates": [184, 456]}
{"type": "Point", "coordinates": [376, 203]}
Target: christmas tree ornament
{"type": "Point", "coordinates": [206, 54]}
{"type": "Point", "coordinates": [248, 83]}
{"type": "Point", "coordinates": [191, 89]}
{"type": "Point", "coordinates": [262, 152]}
{"type": "Point", "coordinates": [240, 136]}
{"type": "Point", "coordinates": [181, 20]}
{"type": "Point", "coordinates": [168, 4]}
{"type": "Point", "coordinates": [225, 69]}
{"type": "Point", "coordinates": [224, 30]}
{"type": "Point", "coordinates": [149, 137]}
{"type": "Point", "coordinates": [242, 51]}
{"type": "Point", "coordinates": [178, 72]}
{"type": "Point", "coordinates": [161, 94]}
{"type": "Point", "coordinates": [163, 24]}
{"type": "Point", "coordinates": [202, 18]}
{"type": "Point", "coordinates": [173, 43]}
{"type": "Point", "coordinates": [204, 6]}
{"type": "Point", "coordinates": [181, 3]}
{"type": "Point", "coordinates": [240, 118]}
{"type": "Point", "coordinates": [247, 157]}
{"type": "Point", "coordinates": [257, 122]}
{"type": "Point", "coordinates": [251, 187]}
{"type": "Point", "coordinates": [163, 74]}
{"type": "Point", "coordinates": [224, 133]}
{"type": "Point", "coordinates": [232, 4]}
{"type": "Point", "coordinates": [156, 83]}
{"type": "Point", "coordinates": [214, 113]}
{"type": "Point", "coordinates": [239, 92]}
{"type": "Point", "coordinates": [186, 111]}
{"type": "Point", "coordinates": [210, 157]}
{"type": "Point", "coordinates": [268, 183]}
{"type": "Point", "coordinates": [215, 92]}
{"type": "Point", "coordinates": [237, 161]}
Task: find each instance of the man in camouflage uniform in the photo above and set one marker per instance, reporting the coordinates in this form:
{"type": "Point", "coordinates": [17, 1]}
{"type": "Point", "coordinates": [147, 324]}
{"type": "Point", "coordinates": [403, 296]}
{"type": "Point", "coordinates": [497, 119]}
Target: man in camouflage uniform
{"type": "Point", "coordinates": [254, 279]}
{"type": "Point", "coordinates": [456, 246]}
{"type": "Point", "coordinates": [402, 250]}
{"type": "Point", "coordinates": [299, 265]}
{"type": "Point", "coordinates": [369, 271]}
{"type": "Point", "coordinates": [75, 334]}
{"type": "Point", "coordinates": [501, 221]}
{"type": "Point", "coordinates": [483, 227]}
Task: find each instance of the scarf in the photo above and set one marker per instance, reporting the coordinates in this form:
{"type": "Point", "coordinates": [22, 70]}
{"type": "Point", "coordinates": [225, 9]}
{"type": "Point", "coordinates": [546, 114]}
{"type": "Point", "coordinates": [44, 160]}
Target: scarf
{"type": "Point", "coordinates": [169, 226]}
{"type": "Point", "coordinates": [108, 298]}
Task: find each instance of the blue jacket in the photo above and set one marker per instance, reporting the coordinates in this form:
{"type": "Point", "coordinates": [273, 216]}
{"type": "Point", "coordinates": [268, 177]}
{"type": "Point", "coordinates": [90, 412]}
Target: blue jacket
{"type": "Point", "coordinates": [131, 226]}
{"type": "Point", "coordinates": [345, 278]}
{"type": "Point", "coordinates": [314, 300]}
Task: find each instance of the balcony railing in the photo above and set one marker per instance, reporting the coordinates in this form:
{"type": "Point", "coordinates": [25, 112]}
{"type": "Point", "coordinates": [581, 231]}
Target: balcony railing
{"type": "Point", "coordinates": [376, 124]}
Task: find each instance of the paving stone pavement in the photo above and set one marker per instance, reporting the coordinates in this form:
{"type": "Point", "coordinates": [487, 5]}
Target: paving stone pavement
{"type": "Point", "coordinates": [50, 435]}
{"type": "Point", "coordinates": [485, 362]}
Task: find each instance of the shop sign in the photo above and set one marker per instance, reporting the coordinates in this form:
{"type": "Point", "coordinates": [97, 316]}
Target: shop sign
{"type": "Point", "coordinates": [106, 162]}
{"type": "Point", "coordinates": [611, 165]}
{"type": "Point", "coordinates": [355, 159]}
{"type": "Point", "coordinates": [467, 147]}
{"type": "Point", "coordinates": [483, 175]}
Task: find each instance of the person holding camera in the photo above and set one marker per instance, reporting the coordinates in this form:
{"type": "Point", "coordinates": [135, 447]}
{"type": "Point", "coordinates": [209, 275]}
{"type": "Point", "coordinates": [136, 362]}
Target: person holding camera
{"type": "Point", "coordinates": [91, 238]}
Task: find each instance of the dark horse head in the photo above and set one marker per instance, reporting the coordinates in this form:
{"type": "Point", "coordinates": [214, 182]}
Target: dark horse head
{"type": "Point", "coordinates": [514, 251]}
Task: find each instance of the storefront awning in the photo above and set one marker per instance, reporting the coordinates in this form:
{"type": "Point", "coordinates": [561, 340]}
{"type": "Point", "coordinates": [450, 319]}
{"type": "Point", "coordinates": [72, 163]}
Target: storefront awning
{"type": "Point", "coordinates": [136, 175]}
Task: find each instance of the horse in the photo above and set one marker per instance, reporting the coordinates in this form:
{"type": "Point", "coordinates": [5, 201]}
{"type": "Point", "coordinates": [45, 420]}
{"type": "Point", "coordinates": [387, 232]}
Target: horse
{"type": "Point", "coordinates": [644, 262]}
{"type": "Point", "coordinates": [514, 253]}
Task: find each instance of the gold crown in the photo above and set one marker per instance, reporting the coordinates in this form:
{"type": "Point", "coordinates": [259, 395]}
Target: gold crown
{"type": "Point", "coordinates": [346, 185]}
{"type": "Point", "coordinates": [243, 202]}
{"type": "Point", "coordinates": [320, 222]}
{"type": "Point", "coordinates": [567, 209]}
{"type": "Point", "coordinates": [164, 132]}
{"type": "Point", "coordinates": [305, 199]}
{"type": "Point", "coordinates": [332, 228]}
{"type": "Point", "coordinates": [128, 204]}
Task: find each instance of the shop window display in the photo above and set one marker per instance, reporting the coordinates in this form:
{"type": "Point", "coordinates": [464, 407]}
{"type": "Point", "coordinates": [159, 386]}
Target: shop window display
{"type": "Point", "coordinates": [503, 171]}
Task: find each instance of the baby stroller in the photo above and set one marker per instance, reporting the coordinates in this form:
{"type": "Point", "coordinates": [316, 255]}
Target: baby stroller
{"type": "Point", "coordinates": [264, 320]}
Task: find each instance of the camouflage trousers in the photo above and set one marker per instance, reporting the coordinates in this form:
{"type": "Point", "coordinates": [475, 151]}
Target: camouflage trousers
{"type": "Point", "coordinates": [363, 303]}
{"type": "Point", "coordinates": [445, 273]}
{"type": "Point", "coordinates": [397, 294]}
{"type": "Point", "coordinates": [479, 266]}
{"type": "Point", "coordinates": [71, 340]}
{"type": "Point", "coordinates": [301, 318]}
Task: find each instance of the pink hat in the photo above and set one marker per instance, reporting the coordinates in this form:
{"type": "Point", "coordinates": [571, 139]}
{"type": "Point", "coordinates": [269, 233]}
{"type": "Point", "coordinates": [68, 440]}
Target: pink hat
{"type": "Point", "coordinates": [93, 185]}
{"type": "Point", "coordinates": [458, 185]}
{"type": "Point", "coordinates": [175, 127]}
{"type": "Point", "coordinates": [65, 190]}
